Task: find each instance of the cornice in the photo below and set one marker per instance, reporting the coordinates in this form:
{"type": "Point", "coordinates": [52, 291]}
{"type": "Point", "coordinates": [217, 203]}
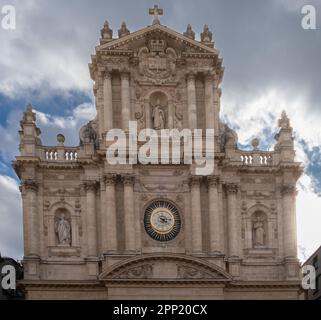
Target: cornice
{"type": "Point", "coordinates": [150, 29]}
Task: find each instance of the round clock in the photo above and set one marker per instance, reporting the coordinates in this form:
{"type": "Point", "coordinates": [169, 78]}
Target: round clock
{"type": "Point", "coordinates": [162, 221]}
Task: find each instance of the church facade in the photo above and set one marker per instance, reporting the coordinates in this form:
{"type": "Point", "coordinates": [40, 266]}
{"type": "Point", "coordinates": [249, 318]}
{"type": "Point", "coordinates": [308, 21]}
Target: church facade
{"type": "Point", "coordinates": [95, 230]}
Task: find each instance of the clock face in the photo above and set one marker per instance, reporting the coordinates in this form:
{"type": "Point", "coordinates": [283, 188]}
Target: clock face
{"type": "Point", "coordinates": [162, 221]}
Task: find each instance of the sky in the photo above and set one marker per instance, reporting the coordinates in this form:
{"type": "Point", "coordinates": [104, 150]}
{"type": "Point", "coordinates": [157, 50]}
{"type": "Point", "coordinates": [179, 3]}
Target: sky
{"type": "Point", "coordinates": [271, 64]}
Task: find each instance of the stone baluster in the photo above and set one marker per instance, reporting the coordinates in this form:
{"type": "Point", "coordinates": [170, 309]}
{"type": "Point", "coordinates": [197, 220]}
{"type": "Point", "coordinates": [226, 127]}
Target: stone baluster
{"type": "Point", "coordinates": [191, 100]}
{"type": "Point", "coordinates": [196, 214]}
{"type": "Point", "coordinates": [289, 221]}
{"type": "Point", "coordinates": [234, 228]}
{"type": "Point", "coordinates": [31, 219]}
{"type": "Point", "coordinates": [108, 102]}
{"type": "Point", "coordinates": [214, 215]}
{"type": "Point", "coordinates": [125, 99]}
{"type": "Point", "coordinates": [128, 182]}
{"type": "Point", "coordinates": [91, 218]}
{"type": "Point", "coordinates": [111, 222]}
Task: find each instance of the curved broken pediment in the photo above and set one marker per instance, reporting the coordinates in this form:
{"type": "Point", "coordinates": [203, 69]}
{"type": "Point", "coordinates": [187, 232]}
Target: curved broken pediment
{"type": "Point", "coordinates": [165, 267]}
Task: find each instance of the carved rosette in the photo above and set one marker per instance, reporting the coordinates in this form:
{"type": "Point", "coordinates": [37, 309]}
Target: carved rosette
{"type": "Point", "coordinates": [231, 188]}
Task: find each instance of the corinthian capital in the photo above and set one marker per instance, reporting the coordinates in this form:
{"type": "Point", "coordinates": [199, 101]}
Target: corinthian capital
{"type": "Point", "coordinates": [90, 186]}
{"type": "Point", "coordinates": [194, 181]}
{"type": "Point", "coordinates": [30, 185]}
{"type": "Point", "coordinates": [110, 179]}
{"type": "Point", "coordinates": [128, 179]}
{"type": "Point", "coordinates": [213, 181]}
{"type": "Point", "coordinates": [231, 188]}
{"type": "Point", "coordinates": [288, 189]}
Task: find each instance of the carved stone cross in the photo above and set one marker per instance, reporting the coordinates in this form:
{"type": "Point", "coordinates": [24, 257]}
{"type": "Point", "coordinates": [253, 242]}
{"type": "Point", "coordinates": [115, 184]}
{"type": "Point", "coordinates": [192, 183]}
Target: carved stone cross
{"type": "Point", "coordinates": [156, 12]}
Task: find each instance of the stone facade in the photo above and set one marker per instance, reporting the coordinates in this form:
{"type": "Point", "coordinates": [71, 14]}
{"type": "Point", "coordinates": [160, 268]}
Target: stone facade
{"type": "Point", "coordinates": [84, 232]}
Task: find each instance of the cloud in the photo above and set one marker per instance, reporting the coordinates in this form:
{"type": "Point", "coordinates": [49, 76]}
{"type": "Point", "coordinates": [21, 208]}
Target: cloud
{"type": "Point", "coordinates": [308, 217]}
{"type": "Point", "coordinates": [69, 126]}
{"type": "Point", "coordinates": [11, 243]}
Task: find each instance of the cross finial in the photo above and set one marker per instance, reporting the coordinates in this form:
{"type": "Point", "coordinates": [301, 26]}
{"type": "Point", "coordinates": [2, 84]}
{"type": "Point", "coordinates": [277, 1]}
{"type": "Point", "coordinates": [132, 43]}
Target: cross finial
{"type": "Point", "coordinates": [156, 12]}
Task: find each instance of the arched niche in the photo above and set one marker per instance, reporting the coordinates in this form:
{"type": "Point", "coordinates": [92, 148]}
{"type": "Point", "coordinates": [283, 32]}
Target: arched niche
{"type": "Point", "coordinates": [159, 110]}
{"type": "Point", "coordinates": [62, 227]}
{"type": "Point", "coordinates": [71, 215]}
{"type": "Point", "coordinates": [252, 219]}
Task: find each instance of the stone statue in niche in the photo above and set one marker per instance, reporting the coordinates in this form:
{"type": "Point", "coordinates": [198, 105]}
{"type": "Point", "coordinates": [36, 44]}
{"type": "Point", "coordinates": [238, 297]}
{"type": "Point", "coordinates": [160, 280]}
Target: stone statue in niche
{"type": "Point", "coordinates": [158, 116]}
{"type": "Point", "coordinates": [259, 232]}
{"type": "Point", "coordinates": [63, 230]}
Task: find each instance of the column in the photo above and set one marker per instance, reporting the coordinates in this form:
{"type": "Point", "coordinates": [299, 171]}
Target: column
{"type": "Point", "coordinates": [191, 101]}
{"type": "Point", "coordinates": [31, 221]}
{"type": "Point", "coordinates": [125, 99]}
{"type": "Point", "coordinates": [108, 103]}
{"type": "Point", "coordinates": [111, 225]}
{"type": "Point", "coordinates": [128, 182]}
{"type": "Point", "coordinates": [171, 114]}
{"type": "Point", "coordinates": [209, 101]}
{"type": "Point", "coordinates": [103, 214]}
{"type": "Point", "coordinates": [90, 188]}
{"type": "Point", "coordinates": [214, 215]}
{"type": "Point", "coordinates": [147, 114]}
{"type": "Point", "coordinates": [289, 221]}
{"type": "Point", "coordinates": [234, 238]}
{"type": "Point", "coordinates": [196, 214]}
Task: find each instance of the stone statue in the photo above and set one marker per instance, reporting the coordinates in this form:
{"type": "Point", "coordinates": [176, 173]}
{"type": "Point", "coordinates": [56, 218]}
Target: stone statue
{"type": "Point", "coordinates": [88, 134]}
{"type": "Point", "coordinates": [63, 231]}
{"type": "Point", "coordinates": [158, 116]}
{"type": "Point", "coordinates": [259, 233]}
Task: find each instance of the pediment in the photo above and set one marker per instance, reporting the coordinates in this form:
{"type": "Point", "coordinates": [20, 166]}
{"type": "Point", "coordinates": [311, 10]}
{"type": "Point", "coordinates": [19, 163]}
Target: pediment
{"type": "Point", "coordinates": [174, 38]}
{"type": "Point", "coordinates": [165, 267]}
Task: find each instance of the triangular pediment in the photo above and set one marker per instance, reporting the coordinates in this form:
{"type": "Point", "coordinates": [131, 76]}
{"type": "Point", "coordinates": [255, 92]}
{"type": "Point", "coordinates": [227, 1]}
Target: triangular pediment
{"type": "Point", "coordinates": [165, 267]}
{"type": "Point", "coordinates": [137, 38]}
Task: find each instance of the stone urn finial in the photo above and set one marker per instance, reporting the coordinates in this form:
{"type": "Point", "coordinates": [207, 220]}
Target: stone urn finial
{"type": "Point", "coordinates": [189, 32]}
{"type": "Point", "coordinates": [60, 139]}
{"type": "Point", "coordinates": [255, 143]}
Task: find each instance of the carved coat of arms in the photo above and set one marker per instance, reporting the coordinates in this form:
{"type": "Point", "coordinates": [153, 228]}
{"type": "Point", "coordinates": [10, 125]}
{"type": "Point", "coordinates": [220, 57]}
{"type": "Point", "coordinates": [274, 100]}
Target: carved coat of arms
{"type": "Point", "coordinates": [157, 61]}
